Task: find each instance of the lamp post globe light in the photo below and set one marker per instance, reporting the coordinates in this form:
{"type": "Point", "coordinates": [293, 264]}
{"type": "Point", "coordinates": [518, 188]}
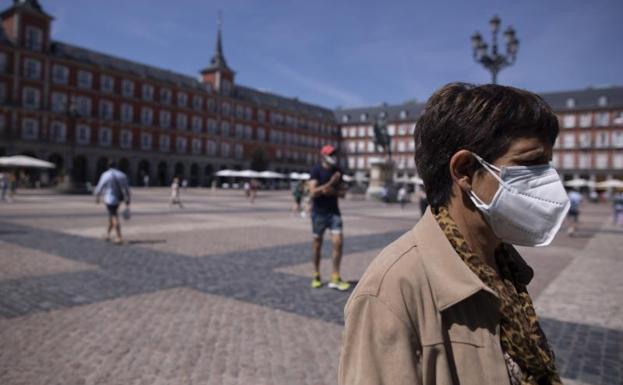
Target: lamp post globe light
{"type": "Point", "coordinates": [493, 61]}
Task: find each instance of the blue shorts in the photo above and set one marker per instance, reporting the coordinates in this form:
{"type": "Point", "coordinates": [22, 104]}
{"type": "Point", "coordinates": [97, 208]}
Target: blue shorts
{"type": "Point", "coordinates": [112, 209]}
{"type": "Point", "coordinates": [323, 221]}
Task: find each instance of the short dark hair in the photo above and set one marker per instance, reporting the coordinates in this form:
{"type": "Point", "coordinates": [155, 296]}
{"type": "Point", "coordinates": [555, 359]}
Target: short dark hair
{"type": "Point", "coordinates": [483, 119]}
{"type": "Point", "coordinates": [112, 163]}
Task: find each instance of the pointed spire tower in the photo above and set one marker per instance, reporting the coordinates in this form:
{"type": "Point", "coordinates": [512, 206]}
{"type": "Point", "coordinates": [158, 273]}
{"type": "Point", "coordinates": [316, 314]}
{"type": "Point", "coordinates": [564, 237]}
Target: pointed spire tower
{"type": "Point", "coordinates": [218, 74]}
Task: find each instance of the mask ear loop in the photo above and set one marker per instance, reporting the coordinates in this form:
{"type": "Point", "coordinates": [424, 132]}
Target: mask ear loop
{"type": "Point", "coordinates": [494, 170]}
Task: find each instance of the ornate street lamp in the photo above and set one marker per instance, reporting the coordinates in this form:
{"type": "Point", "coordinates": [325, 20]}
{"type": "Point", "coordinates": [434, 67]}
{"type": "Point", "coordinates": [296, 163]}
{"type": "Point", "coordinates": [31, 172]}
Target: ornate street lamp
{"type": "Point", "coordinates": [494, 61]}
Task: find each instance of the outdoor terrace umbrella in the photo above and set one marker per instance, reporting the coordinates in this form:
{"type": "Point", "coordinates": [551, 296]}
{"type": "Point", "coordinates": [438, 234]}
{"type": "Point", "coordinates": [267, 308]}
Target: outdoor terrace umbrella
{"type": "Point", "coordinates": [610, 183]}
{"type": "Point", "coordinates": [228, 173]}
{"type": "Point", "coordinates": [24, 161]}
{"type": "Point", "coordinates": [248, 174]}
{"type": "Point", "coordinates": [271, 175]}
{"type": "Point", "coordinates": [299, 176]}
{"type": "Point", "coordinates": [579, 182]}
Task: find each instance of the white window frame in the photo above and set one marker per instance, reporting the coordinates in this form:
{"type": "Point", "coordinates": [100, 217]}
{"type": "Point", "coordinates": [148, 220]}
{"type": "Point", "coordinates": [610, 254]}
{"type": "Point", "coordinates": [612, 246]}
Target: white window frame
{"type": "Point", "coordinates": [181, 121]}
{"type": "Point", "coordinates": [58, 131]}
{"type": "Point", "coordinates": [146, 141]}
{"type": "Point", "coordinates": [182, 99]}
{"type": "Point", "coordinates": [32, 69]}
{"type": "Point", "coordinates": [127, 88]}
{"type": "Point", "coordinates": [80, 130]}
{"type": "Point", "coordinates": [164, 119]}
{"type": "Point", "coordinates": [107, 83]}
{"type": "Point", "coordinates": [60, 74]}
{"type": "Point", "coordinates": [147, 116]}
{"type": "Point", "coordinates": [181, 144]}
{"type": "Point", "coordinates": [31, 98]}
{"type": "Point", "coordinates": [197, 123]}
{"type": "Point", "coordinates": [211, 148]}
{"type": "Point", "coordinates": [31, 132]}
{"type": "Point", "coordinates": [166, 95]}
{"type": "Point", "coordinates": [196, 146]}
{"type": "Point", "coordinates": [127, 113]}
{"type": "Point", "coordinates": [164, 143]}
{"type": "Point", "coordinates": [85, 79]}
{"type": "Point", "coordinates": [34, 38]}
{"type": "Point", "coordinates": [125, 138]}
{"type": "Point", "coordinates": [104, 136]}
{"type": "Point", "coordinates": [108, 112]}
{"type": "Point", "coordinates": [569, 121]}
{"type": "Point", "coordinates": [147, 92]}
{"type": "Point", "coordinates": [83, 105]}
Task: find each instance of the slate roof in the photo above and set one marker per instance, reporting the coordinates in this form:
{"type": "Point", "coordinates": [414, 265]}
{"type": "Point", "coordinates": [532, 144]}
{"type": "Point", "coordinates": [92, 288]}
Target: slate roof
{"type": "Point", "coordinates": [585, 99]}
{"type": "Point", "coordinates": [104, 61]}
{"type": "Point", "coordinates": [260, 98]}
{"type": "Point", "coordinates": [273, 101]}
{"type": "Point", "coordinates": [27, 5]}
{"type": "Point", "coordinates": [392, 113]}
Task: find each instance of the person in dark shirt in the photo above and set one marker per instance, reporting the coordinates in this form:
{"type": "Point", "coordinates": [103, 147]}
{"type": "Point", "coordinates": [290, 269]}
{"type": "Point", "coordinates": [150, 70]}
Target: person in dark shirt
{"type": "Point", "coordinates": [325, 186]}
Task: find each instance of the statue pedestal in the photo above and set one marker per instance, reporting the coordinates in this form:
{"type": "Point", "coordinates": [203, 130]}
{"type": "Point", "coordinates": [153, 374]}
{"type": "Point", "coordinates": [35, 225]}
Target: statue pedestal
{"type": "Point", "coordinates": [381, 185]}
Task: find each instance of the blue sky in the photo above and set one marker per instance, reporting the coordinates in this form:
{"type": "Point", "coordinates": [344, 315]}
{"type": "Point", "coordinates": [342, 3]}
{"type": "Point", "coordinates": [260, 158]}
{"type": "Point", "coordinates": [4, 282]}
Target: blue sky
{"type": "Point", "coordinates": [357, 52]}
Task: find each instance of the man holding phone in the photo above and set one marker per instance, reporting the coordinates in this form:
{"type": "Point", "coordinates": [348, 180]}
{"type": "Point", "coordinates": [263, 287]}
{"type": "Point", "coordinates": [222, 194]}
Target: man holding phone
{"type": "Point", "coordinates": [325, 186]}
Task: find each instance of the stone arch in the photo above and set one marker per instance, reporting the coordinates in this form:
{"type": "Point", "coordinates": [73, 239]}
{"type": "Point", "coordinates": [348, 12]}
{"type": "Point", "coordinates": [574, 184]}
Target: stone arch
{"type": "Point", "coordinates": [101, 166]}
{"type": "Point", "coordinates": [194, 174]}
{"type": "Point", "coordinates": [124, 165]}
{"type": "Point", "coordinates": [162, 174]}
{"type": "Point", "coordinates": [179, 170]}
{"type": "Point", "coordinates": [142, 170]}
{"type": "Point", "coordinates": [79, 170]}
{"type": "Point", "coordinates": [56, 173]}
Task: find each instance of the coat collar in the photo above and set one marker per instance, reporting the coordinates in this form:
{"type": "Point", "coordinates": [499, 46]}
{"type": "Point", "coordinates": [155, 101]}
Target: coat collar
{"type": "Point", "coordinates": [451, 280]}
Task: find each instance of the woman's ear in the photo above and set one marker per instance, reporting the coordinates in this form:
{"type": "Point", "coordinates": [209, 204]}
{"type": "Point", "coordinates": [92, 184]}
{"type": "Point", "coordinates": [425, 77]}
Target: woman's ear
{"type": "Point", "coordinates": [462, 169]}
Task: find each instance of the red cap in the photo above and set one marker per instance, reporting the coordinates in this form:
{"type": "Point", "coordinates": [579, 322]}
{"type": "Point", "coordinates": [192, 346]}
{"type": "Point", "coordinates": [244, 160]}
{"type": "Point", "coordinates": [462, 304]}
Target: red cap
{"type": "Point", "coordinates": [327, 150]}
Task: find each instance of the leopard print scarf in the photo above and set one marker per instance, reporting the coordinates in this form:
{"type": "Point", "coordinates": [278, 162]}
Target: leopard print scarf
{"type": "Point", "coordinates": [529, 359]}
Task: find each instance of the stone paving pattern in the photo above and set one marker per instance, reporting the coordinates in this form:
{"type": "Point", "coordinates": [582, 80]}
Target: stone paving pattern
{"type": "Point", "coordinates": [218, 292]}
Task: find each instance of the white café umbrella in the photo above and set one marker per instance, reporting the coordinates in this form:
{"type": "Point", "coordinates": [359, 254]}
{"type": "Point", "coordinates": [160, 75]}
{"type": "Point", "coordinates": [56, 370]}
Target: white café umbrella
{"type": "Point", "coordinates": [248, 174]}
{"type": "Point", "coordinates": [24, 161]}
{"type": "Point", "coordinates": [228, 173]}
{"type": "Point", "coordinates": [299, 176]}
{"type": "Point", "coordinates": [610, 183]}
{"type": "Point", "coordinates": [578, 182]}
{"type": "Point", "coordinates": [271, 175]}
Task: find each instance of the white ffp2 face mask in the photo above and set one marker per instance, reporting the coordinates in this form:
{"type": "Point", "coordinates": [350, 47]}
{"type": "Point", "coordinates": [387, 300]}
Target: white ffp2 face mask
{"type": "Point", "coordinates": [529, 206]}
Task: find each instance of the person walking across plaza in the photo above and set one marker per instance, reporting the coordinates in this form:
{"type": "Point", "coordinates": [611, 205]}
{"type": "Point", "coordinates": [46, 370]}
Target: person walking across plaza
{"type": "Point", "coordinates": [297, 194]}
{"type": "Point", "coordinates": [175, 193]}
{"type": "Point", "coordinates": [403, 196]}
{"type": "Point", "coordinates": [325, 187]}
{"type": "Point", "coordinates": [4, 186]}
{"type": "Point", "coordinates": [113, 184]}
{"type": "Point", "coordinates": [617, 209]}
{"type": "Point", "coordinates": [573, 216]}
{"type": "Point", "coordinates": [447, 302]}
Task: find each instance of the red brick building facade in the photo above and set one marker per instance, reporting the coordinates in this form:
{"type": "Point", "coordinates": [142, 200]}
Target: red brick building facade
{"type": "Point", "coordinates": [79, 108]}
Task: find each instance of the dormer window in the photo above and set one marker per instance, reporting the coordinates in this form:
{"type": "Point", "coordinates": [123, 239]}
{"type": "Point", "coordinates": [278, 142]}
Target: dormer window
{"type": "Point", "coordinates": [34, 38]}
{"type": "Point", "coordinates": [602, 101]}
{"type": "Point", "coordinates": [382, 114]}
{"type": "Point", "coordinates": [345, 118]}
{"type": "Point", "coordinates": [363, 117]}
{"type": "Point", "coordinates": [403, 114]}
{"type": "Point", "coordinates": [570, 103]}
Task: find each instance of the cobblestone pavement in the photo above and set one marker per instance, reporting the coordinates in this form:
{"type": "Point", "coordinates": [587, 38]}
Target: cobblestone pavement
{"type": "Point", "coordinates": [218, 292]}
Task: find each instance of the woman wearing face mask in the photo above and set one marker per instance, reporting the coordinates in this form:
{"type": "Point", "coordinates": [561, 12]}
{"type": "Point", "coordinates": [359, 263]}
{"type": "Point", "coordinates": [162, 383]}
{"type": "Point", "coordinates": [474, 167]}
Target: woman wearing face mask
{"type": "Point", "coordinates": [447, 303]}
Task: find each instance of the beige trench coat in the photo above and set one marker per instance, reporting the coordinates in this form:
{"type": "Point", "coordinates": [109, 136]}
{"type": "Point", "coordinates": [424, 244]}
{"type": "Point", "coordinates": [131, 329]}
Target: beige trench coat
{"type": "Point", "coordinates": [419, 315]}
